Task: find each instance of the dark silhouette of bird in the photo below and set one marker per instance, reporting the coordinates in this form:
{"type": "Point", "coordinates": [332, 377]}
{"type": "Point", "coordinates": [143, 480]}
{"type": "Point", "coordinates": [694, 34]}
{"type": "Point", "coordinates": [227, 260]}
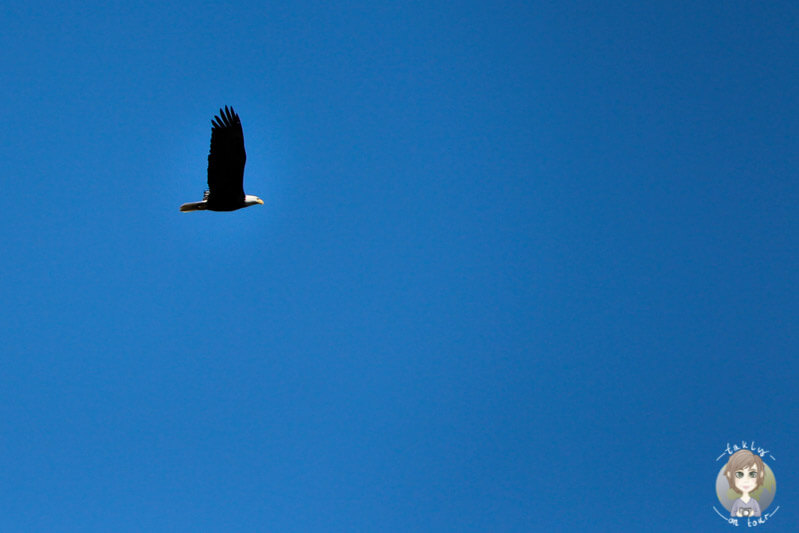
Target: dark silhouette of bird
{"type": "Point", "coordinates": [225, 167]}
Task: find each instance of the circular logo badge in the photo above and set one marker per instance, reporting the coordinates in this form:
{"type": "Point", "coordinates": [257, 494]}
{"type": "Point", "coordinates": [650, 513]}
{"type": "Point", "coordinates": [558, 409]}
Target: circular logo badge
{"type": "Point", "coordinates": [745, 485]}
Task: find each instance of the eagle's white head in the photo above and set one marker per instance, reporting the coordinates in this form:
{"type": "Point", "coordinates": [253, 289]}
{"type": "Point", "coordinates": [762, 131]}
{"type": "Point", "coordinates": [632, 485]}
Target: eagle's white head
{"type": "Point", "coordinates": [250, 199]}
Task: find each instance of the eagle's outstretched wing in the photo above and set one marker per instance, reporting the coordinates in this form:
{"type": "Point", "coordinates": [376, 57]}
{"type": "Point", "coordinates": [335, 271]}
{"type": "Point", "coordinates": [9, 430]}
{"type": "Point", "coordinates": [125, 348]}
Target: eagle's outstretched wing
{"type": "Point", "coordinates": [226, 159]}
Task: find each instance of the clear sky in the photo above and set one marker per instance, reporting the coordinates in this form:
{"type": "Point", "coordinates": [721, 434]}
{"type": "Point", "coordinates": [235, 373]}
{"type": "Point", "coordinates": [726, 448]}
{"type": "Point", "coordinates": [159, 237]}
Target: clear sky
{"type": "Point", "coordinates": [521, 265]}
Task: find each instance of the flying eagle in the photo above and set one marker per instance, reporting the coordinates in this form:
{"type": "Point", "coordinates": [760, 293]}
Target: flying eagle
{"type": "Point", "coordinates": [225, 167]}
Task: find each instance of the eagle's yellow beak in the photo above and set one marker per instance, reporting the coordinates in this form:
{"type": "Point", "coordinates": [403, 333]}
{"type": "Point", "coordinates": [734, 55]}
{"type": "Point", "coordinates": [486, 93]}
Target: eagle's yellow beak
{"type": "Point", "coordinates": [260, 201]}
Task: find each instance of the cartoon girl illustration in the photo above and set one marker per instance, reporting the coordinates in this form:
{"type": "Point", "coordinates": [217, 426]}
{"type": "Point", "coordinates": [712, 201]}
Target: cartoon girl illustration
{"type": "Point", "coordinates": [745, 472]}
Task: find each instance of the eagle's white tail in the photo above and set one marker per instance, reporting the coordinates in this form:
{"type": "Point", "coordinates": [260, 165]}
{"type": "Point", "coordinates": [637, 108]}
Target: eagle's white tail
{"type": "Point", "coordinates": [193, 206]}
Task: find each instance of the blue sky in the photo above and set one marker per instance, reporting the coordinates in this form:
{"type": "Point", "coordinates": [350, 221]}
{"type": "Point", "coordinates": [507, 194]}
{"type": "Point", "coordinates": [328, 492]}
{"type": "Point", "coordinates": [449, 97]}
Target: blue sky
{"type": "Point", "coordinates": [521, 266]}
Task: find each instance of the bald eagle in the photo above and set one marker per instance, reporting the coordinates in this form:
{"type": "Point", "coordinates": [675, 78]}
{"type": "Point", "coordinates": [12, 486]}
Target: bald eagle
{"type": "Point", "coordinates": [225, 167]}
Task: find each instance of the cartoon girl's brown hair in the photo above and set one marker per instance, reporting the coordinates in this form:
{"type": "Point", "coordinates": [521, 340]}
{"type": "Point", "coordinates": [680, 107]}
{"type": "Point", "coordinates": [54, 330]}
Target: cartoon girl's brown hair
{"type": "Point", "coordinates": [744, 459]}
